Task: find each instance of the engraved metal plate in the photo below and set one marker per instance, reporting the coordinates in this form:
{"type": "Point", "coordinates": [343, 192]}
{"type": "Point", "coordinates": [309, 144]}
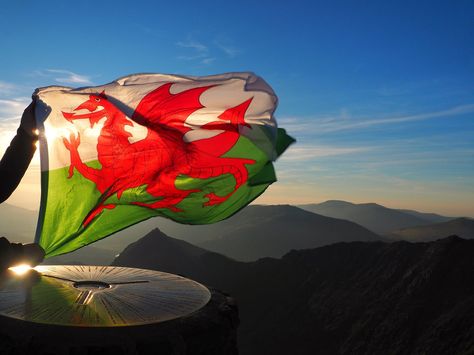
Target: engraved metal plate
{"type": "Point", "coordinates": [99, 296]}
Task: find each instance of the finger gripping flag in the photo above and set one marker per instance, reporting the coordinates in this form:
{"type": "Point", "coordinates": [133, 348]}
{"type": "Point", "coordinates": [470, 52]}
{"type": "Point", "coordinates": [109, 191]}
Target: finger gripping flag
{"type": "Point", "coordinates": [192, 149]}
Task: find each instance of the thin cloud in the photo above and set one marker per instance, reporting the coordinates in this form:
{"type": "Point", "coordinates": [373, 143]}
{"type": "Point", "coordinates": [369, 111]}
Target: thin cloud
{"type": "Point", "coordinates": [208, 60]}
{"type": "Point", "coordinates": [334, 124]}
{"type": "Point", "coordinates": [199, 47]}
{"type": "Point", "coordinates": [69, 77]}
{"type": "Point", "coordinates": [7, 88]}
{"type": "Point", "coordinates": [199, 52]}
{"type": "Point", "coordinates": [12, 108]}
{"type": "Point", "coordinates": [205, 54]}
{"type": "Point", "coordinates": [189, 57]}
{"type": "Point", "coordinates": [308, 152]}
{"type": "Point", "coordinates": [63, 76]}
{"type": "Point", "coordinates": [8, 129]}
{"type": "Point", "coordinates": [10, 113]}
{"type": "Point", "coordinates": [229, 50]}
{"type": "Point", "coordinates": [455, 111]}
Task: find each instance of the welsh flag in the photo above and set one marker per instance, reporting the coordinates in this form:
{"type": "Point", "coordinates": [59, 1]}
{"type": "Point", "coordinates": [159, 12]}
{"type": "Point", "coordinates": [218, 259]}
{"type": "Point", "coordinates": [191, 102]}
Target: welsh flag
{"type": "Point", "coordinates": [192, 149]}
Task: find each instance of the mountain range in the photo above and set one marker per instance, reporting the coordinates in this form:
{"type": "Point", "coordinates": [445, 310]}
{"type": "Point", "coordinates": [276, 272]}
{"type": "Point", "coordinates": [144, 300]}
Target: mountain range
{"type": "Point", "coordinates": [377, 218]}
{"type": "Point", "coordinates": [312, 284]}
{"type": "Point", "coordinates": [272, 231]}
{"type": "Point", "coordinates": [462, 227]}
{"type": "Point", "coordinates": [256, 231]}
{"type": "Point", "coordinates": [344, 298]}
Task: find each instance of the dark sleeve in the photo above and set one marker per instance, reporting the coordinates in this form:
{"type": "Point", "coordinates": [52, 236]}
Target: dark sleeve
{"type": "Point", "coordinates": [15, 161]}
{"type": "Point", "coordinates": [4, 253]}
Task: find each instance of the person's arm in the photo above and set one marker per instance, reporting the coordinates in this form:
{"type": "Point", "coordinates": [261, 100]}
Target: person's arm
{"type": "Point", "coordinates": [18, 155]}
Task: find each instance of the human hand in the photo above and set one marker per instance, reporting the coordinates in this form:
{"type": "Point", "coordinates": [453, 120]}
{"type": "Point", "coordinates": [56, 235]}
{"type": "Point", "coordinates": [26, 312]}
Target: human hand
{"type": "Point", "coordinates": [33, 254]}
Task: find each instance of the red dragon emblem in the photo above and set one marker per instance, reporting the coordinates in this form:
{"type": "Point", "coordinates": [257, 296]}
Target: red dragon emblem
{"type": "Point", "coordinates": [157, 160]}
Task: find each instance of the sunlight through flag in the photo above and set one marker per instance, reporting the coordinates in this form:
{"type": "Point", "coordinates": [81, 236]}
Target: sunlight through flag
{"type": "Point", "coordinates": [192, 149]}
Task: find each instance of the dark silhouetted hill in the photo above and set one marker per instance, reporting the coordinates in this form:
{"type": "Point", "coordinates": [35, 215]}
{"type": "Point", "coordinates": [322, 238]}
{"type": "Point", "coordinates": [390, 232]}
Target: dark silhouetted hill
{"type": "Point", "coordinates": [345, 298]}
{"type": "Point", "coordinates": [159, 252]}
{"type": "Point", "coordinates": [462, 227]}
{"type": "Point", "coordinates": [272, 231]}
{"type": "Point", "coordinates": [377, 218]}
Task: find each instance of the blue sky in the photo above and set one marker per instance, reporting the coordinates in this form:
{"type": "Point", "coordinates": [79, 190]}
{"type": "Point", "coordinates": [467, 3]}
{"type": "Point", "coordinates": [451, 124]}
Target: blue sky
{"type": "Point", "coordinates": [380, 95]}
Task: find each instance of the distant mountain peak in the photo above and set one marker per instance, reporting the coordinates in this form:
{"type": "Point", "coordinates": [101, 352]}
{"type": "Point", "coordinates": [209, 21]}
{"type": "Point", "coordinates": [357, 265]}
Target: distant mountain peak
{"type": "Point", "coordinates": [271, 231]}
{"type": "Point", "coordinates": [371, 215]}
{"type": "Point", "coordinates": [334, 202]}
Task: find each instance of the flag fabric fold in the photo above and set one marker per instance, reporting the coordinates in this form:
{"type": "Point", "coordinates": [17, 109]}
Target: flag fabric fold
{"type": "Point", "coordinates": [192, 149]}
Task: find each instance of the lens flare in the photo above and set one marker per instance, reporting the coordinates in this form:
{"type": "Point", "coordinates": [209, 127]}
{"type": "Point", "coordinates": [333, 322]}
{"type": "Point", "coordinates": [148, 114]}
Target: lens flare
{"type": "Point", "coordinates": [20, 269]}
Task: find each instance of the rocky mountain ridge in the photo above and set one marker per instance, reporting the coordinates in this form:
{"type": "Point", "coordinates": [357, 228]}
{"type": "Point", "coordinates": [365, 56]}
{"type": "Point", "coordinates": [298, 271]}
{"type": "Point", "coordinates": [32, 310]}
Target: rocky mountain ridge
{"type": "Point", "coordinates": [345, 298]}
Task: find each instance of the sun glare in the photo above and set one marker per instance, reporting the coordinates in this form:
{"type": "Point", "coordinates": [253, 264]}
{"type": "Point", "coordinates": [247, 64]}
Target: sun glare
{"type": "Point", "coordinates": [20, 269]}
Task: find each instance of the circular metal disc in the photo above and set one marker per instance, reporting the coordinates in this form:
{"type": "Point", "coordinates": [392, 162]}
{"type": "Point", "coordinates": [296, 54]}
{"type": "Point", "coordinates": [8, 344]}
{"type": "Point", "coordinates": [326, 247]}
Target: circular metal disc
{"type": "Point", "coordinates": [99, 296]}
